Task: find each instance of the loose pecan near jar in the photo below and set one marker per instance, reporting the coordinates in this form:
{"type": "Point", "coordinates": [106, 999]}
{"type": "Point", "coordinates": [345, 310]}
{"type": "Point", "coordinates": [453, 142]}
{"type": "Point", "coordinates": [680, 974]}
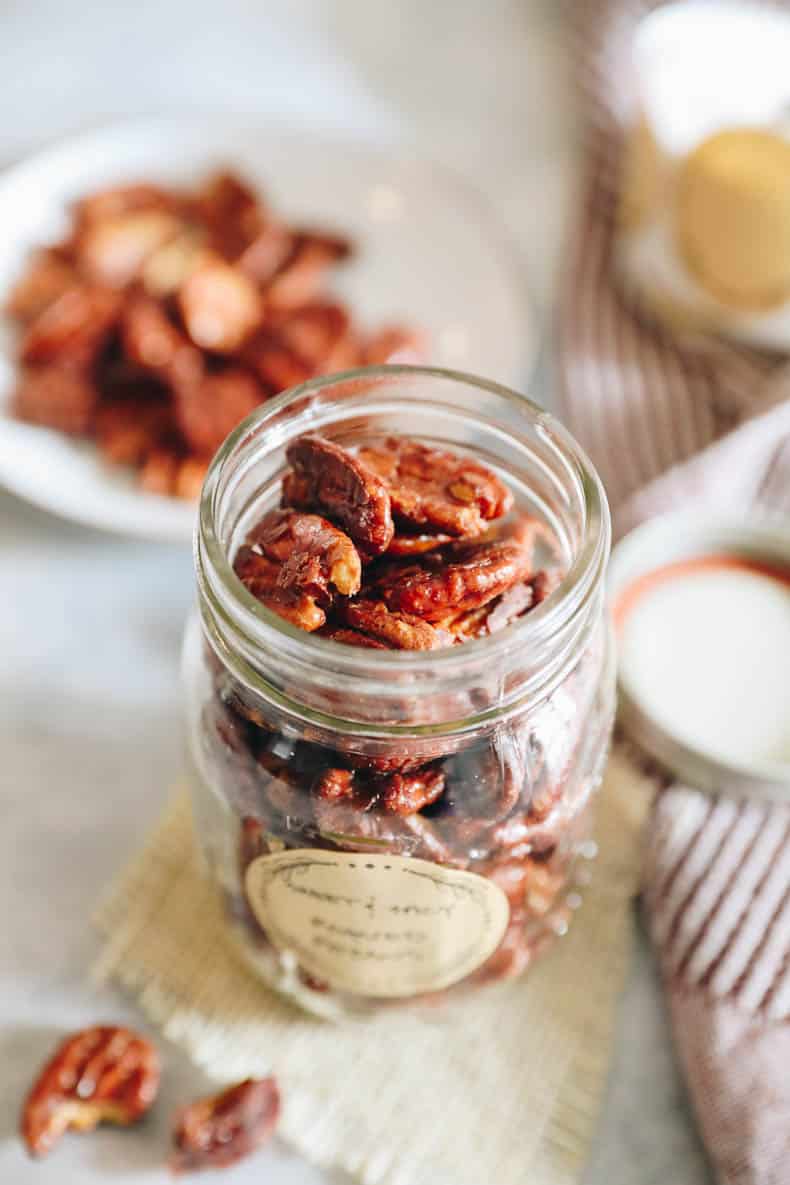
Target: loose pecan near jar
{"type": "Point", "coordinates": [399, 687]}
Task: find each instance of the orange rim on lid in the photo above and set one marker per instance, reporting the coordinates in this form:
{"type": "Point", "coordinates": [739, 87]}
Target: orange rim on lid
{"type": "Point", "coordinates": [701, 611]}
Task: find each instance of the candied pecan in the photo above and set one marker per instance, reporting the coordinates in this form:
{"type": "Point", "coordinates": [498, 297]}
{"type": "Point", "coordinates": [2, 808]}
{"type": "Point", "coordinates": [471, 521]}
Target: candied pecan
{"type": "Point", "coordinates": [301, 276]}
{"type": "Point", "coordinates": [56, 396]}
{"type": "Point", "coordinates": [159, 471]}
{"type": "Point", "coordinates": [313, 332]}
{"type": "Point", "coordinates": [334, 784]}
{"type": "Point", "coordinates": [259, 576]}
{"type": "Point", "coordinates": [349, 820]}
{"type": "Point", "coordinates": [122, 199]}
{"type": "Point", "coordinates": [275, 364]}
{"type": "Point", "coordinates": [401, 631]}
{"type": "Point", "coordinates": [509, 606]}
{"type": "Point", "coordinates": [544, 583]}
{"type": "Point", "coordinates": [72, 327]}
{"type": "Point", "coordinates": [455, 579]}
{"type": "Point", "coordinates": [287, 769]}
{"type": "Point", "coordinates": [47, 277]}
{"type": "Point", "coordinates": [220, 305]}
{"type": "Point", "coordinates": [114, 250]}
{"type": "Point", "coordinates": [103, 1074]}
{"type": "Point", "coordinates": [491, 617]}
{"type": "Point", "coordinates": [210, 406]}
{"type": "Point", "coordinates": [237, 769]}
{"type": "Point", "coordinates": [511, 877]}
{"type": "Point", "coordinates": [485, 782]}
{"type": "Point", "coordinates": [315, 555]}
{"type": "Point", "coordinates": [394, 344]}
{"type": "Point", "coordinates": [407, 793]}
{"type": "Point", "coordinates": [220, 1130]}
{"type": "Point", "coordinates": [444, 491]}
{"type": "Point", "coordinates": [327, 477]}
{"type": "Point", "coordinates": [231, 211]}
{"type": "Point", "coordinates": [404, 544]}
{"type": "Point", "coordinates": [151, 340]}
{"type": "Point", "coordinates": [266, 253]}
{"type": "Point", "coordinates": [190, 477]}
{"type": "Point", "coordinates": [127, 431]}
{"type": "Point", "coordinates": [170, 265]}
{"type": "Point", "coordinates": [349, 637]}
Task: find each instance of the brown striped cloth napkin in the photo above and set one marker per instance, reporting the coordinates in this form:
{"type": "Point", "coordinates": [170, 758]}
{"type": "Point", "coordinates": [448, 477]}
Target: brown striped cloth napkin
{"type": "Point", "coordinates": [670, 424]}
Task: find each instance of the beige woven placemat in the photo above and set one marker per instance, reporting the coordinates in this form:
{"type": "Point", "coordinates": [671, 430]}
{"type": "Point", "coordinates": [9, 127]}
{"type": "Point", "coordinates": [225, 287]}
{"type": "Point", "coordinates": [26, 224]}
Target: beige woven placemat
{"type": "Point", "coordinates": [503, 1086]}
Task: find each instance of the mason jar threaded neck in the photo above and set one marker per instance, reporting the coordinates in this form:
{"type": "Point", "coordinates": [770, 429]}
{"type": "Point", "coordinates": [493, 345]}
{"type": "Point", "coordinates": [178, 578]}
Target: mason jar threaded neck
{"type": "Point", "coordinates": [383, 693]}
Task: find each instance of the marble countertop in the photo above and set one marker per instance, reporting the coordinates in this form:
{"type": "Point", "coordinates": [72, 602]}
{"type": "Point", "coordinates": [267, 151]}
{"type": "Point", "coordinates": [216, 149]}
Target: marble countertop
{"type": "Point", "coordinates": [91, 624]}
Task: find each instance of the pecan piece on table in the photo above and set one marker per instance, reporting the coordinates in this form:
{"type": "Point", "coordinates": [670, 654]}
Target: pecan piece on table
{"type": "Point", "coordinates": [458, 578]}
{"type": "Point", "coordinates": [328, 478]}
{"type": "Point", "coordinates": [222, 1129]}
{"type": "Point", "coordinates": [443, 491]}
{"type": "Point", "coordinates": [57, 396]}
{"type": "Point", "coordinates": [220, 305]}
{"type": "Point", "coordinates": [401, 631]}
{"type": "Point", "coordinates": [102, 1074]}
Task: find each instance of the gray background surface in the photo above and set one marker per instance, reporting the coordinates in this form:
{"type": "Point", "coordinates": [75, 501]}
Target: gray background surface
{"type": "Point", "coordinates": [91, 625]}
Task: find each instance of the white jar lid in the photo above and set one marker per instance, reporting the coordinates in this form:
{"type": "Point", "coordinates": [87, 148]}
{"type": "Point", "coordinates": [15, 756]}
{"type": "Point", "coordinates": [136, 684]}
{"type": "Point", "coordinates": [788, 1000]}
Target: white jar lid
{"type": "Point", "coordinates": [702, 619]}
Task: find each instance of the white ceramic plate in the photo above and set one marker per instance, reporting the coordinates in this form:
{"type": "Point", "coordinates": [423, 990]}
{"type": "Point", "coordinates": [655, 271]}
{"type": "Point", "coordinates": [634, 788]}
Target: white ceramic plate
{"type": "Point", "coordinates": [429, 254]}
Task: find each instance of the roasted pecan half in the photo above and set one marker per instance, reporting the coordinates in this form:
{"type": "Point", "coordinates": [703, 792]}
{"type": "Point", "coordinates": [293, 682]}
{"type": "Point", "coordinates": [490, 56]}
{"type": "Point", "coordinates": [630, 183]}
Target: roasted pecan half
{"type": "Point", "coordinates": [47, 277]}
{"type": "Point", "coordinates": [302, 275]}
{"type": "Point", "coordinates": [455, 579]}
{"type": "Point", "coordinates": [438, 490]}
{"type": "Point", "coordinates": [407, 793]}
{"type": "Point", "coordinates": [57, 396]}
{"type": "Point", "coordinates": [210, 406]}
{"type": "Point", "coordinates": [122, 199]}
{"type": "Point", "coordinates": [315, 557]}
{"type": "Point", "coordinates": [400, 631]}
{"type": "Point", "coordinates": [220, 1130]}
{"type": "Point", "coordinates": [114, 250]}
{"type": "Point", "coordinates": [220, 305]}
{"type": "Point", "coordinates": [259, 575]}
{"type": "Point", "coordinates": [104, 1074]}
{"type": "Point", "coordinates": [73, 327]}
{"type": "Point", "coordinates": [328, 478]}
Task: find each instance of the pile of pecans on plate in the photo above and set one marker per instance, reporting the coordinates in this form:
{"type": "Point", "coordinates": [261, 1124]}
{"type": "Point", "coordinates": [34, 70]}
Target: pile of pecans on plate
{"type": "Point", "coordinates": [166, 316]}
{"type": "Point", "coordinates": [110, 1074]}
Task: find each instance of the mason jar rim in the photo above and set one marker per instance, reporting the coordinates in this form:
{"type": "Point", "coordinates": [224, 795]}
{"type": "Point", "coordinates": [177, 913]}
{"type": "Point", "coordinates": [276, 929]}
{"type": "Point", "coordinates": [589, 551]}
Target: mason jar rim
{"type": "Point", "coordinates": [218, 581]}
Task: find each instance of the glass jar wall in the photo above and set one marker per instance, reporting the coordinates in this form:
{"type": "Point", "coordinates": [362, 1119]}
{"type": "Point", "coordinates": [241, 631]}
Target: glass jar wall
{"type": "Point", "coordinates": [305, 753]}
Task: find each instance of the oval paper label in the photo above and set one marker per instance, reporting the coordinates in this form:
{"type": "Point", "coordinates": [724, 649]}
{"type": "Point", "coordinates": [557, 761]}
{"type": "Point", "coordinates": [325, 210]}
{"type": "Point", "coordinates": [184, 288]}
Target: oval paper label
{"type": "Point", "coordinates": [376, 925]}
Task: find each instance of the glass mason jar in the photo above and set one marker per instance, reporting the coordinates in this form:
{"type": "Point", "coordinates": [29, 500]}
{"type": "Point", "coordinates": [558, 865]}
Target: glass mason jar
{"type": "Point", "coordinates": [341, 905]}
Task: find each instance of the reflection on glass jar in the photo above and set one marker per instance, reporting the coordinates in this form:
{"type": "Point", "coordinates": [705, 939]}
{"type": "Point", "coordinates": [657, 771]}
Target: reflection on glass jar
{"type": "Point", "coordinates": [392, 825]}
